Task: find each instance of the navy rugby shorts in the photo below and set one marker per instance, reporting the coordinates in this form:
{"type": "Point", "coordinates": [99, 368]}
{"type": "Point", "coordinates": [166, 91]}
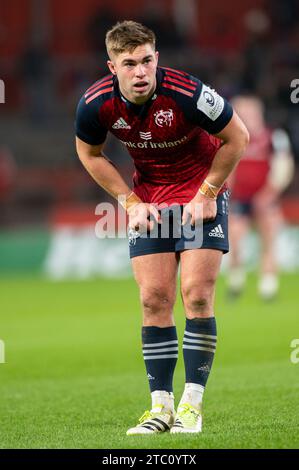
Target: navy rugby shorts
{"type": "Point", "coordinates": [171, 236]}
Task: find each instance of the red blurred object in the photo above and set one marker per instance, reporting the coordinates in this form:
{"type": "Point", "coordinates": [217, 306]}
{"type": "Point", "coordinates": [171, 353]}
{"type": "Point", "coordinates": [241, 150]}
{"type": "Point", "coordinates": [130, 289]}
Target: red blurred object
{"type": "Point", "coordinates": [290, 209]}
{"type": "Point", "coordinates": [7, 172]}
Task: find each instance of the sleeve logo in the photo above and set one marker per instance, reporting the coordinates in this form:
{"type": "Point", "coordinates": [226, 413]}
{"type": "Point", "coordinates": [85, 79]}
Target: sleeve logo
{"type": "Point", "coordinates": [210, 103]}
{"type": "Point", "coordinates": [209, 98]}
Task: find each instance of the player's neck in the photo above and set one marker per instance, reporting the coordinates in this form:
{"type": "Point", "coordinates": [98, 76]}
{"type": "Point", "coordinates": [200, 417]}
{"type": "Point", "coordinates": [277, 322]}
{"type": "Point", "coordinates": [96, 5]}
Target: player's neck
{"type": "Point", "coordinates": [138, 101]}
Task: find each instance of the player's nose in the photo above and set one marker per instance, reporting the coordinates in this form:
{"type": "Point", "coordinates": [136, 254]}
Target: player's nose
{"type": "Point", "coordinates": [140, 71]}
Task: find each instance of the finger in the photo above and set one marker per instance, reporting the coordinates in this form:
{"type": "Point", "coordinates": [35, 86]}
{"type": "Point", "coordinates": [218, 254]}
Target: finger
{"type": "Point", "coordinates": [198, 212]}
{"type": "Point", "coordinates": [155, 213]}
{"type": "Point", "coordinates": [185, 217]}
{"type": "Point", "coordinates": [150, 225]}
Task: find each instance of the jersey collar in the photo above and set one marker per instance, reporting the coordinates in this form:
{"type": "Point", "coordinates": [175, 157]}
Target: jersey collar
{"type": "Point", "coordinates": [138, 108]}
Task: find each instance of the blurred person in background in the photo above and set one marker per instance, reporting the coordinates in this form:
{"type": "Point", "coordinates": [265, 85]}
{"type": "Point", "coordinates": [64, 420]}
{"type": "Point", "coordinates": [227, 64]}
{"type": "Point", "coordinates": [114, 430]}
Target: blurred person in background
{"type": "Point", "coordinates": [185, 140]}
{"type": "Point", "coordinates": [264, 172]}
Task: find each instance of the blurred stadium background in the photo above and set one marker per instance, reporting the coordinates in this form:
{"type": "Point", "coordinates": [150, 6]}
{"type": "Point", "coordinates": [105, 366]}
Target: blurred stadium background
{"type": "Point", "coordinates": [50, 52]}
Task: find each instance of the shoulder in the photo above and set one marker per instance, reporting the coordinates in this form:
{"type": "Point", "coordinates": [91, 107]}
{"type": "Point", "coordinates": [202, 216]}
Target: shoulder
{"type": "Point", "coordinates": [88, 125]}
{"type": "Point", "coordinates": [200, 103]}
{"type": "Point", "coordinates": [96, 95]}
{"type": "Point", "coordinates": [178, 84]}
{"type": "Point", "coordinates": [192, 93]}
{"type": "Point", "coordinates": [102, 88]}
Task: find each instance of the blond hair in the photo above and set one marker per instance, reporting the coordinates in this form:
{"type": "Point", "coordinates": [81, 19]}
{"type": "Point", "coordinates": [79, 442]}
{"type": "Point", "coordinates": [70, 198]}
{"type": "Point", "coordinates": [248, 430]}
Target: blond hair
{"type": "Point", "coordinates": [126, 36]}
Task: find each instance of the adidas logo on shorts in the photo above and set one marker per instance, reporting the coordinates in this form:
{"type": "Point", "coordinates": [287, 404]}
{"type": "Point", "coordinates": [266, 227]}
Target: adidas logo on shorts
{"type": "Point", "coordinates": [217, 232]}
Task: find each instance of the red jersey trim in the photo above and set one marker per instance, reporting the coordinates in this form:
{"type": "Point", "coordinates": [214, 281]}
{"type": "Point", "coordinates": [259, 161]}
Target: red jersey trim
{"type": "Point", "coordinates": [100, 82]}
{"type": "Point", "coordinates": [183, 79]}
{"type": "Point", "coordinates": [178, 82]}
{"type": "Point", "coordinates": [180, 90]}
{"type": "Point", "coordinates": [98, 86]}
{"type": "Point", "coordinates": [101, 92]}
{"type": "Point", "coordinates": [184, 74]}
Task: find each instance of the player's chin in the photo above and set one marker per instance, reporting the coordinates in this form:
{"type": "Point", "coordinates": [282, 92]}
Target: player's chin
{"type": "Point", "coordinates": [141, 90]}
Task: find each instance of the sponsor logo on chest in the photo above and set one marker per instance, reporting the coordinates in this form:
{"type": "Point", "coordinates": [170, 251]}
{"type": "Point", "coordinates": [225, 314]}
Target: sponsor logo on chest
{"type": "Point", "coordinates": [162, 118]}
{"type": "Point", "coordinates": [148, 144]}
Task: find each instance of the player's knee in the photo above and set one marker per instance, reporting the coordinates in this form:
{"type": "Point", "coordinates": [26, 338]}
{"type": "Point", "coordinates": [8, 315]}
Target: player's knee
{"type": "Point", "coordinates": [198, 298]}
{"type": "Point", "coordinates": [156, 299]}
{"type": "Point", "coordinates": [197, 304]}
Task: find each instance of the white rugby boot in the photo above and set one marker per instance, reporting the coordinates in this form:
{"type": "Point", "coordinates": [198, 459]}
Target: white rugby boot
{"type": "Point", "coordinates": [158, 419]}
{"type": "Point", "coordinates": [187, 419]}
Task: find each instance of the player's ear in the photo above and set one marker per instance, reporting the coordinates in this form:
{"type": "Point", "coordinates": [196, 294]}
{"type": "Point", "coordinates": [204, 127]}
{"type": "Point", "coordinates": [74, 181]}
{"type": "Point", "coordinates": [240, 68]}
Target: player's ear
{"type": "Point", "coordinates": [157, 56]}
{"type": "Point", "coordinates": [111, 67]}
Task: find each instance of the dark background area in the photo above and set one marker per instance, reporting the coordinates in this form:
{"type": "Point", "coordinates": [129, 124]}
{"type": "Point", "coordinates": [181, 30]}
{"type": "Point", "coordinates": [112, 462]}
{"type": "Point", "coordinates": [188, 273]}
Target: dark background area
{"type": "Point", "coordinates": [52, 50]}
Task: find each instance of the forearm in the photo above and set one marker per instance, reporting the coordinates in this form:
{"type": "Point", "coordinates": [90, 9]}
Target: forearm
{"type": "Point", "coordinates": [234, 138]}
{"type": "Point", "coordinates": [225, 160]}
{"type": "Point", "coordinates": [105, 174]}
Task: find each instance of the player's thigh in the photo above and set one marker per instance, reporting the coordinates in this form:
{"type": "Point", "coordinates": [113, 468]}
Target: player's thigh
{"type": "Point", "coordinates": [199, 270]}
{"type": "Point", "coordinates": [156, 271]}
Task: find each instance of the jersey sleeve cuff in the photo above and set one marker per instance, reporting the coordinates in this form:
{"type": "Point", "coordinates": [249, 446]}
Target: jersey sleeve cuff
{"type": "Point", "coordinates": [222, 121]}
{"type": "Point", "coordinates": [89, 140]}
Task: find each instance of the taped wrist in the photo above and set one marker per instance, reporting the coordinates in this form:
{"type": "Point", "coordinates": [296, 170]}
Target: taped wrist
{"type": "Point", "coordinates": [209, 190]}
{"type": "Point", "coordinates": [131, 200]}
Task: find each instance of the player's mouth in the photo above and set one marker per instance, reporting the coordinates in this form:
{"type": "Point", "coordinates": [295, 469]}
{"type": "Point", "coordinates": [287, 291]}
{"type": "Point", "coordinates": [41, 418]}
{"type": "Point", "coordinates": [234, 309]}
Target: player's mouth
{"type": "Point", "coordinates": [140, 86]}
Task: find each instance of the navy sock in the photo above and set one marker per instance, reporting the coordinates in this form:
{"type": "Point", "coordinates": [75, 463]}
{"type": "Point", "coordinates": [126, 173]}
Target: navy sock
{"type": "Point", "coordinates": [199, 346]}
{"type": "Point", "coordinates": [160, 352]}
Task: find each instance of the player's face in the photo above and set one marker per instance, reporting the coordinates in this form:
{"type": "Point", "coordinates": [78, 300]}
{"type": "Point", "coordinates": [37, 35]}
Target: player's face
{"type": "Point", "coordinates": [136, 72]}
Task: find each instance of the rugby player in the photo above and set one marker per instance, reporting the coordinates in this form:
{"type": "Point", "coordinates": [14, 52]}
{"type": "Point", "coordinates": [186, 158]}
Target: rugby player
{"type": "Point", "coordinates": [185, 140]}
{"type": "Point", "coordinates": [264, 172]}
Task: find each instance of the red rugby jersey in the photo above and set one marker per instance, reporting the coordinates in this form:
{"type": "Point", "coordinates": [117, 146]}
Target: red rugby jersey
{"type": "Point", "coordinates": [252, 171]}
{"type": "Point", "coordinates": [169, 137]}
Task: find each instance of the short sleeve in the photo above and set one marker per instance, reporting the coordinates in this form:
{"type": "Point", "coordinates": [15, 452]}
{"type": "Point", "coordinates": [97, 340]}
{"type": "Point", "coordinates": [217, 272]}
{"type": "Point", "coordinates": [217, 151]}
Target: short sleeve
{"type": "Point", "coordinates": [209, 110]}
{"type": "Point", "coordinates": [87, 124]}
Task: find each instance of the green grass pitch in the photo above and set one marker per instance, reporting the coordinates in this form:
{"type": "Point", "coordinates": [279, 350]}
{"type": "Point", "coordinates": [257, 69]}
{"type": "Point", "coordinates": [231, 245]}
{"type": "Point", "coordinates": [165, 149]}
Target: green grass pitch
{"type": "Point", "coordinates": [74, 375]}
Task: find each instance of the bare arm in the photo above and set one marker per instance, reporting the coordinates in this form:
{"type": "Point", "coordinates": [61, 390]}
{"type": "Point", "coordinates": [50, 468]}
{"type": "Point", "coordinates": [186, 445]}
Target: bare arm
{"type": "Point", "coordinates": [107, 176]}
{"type": "Point", "coordinates": [102, 171]}
{"type": "Point", "coordinates": [235, 138]}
